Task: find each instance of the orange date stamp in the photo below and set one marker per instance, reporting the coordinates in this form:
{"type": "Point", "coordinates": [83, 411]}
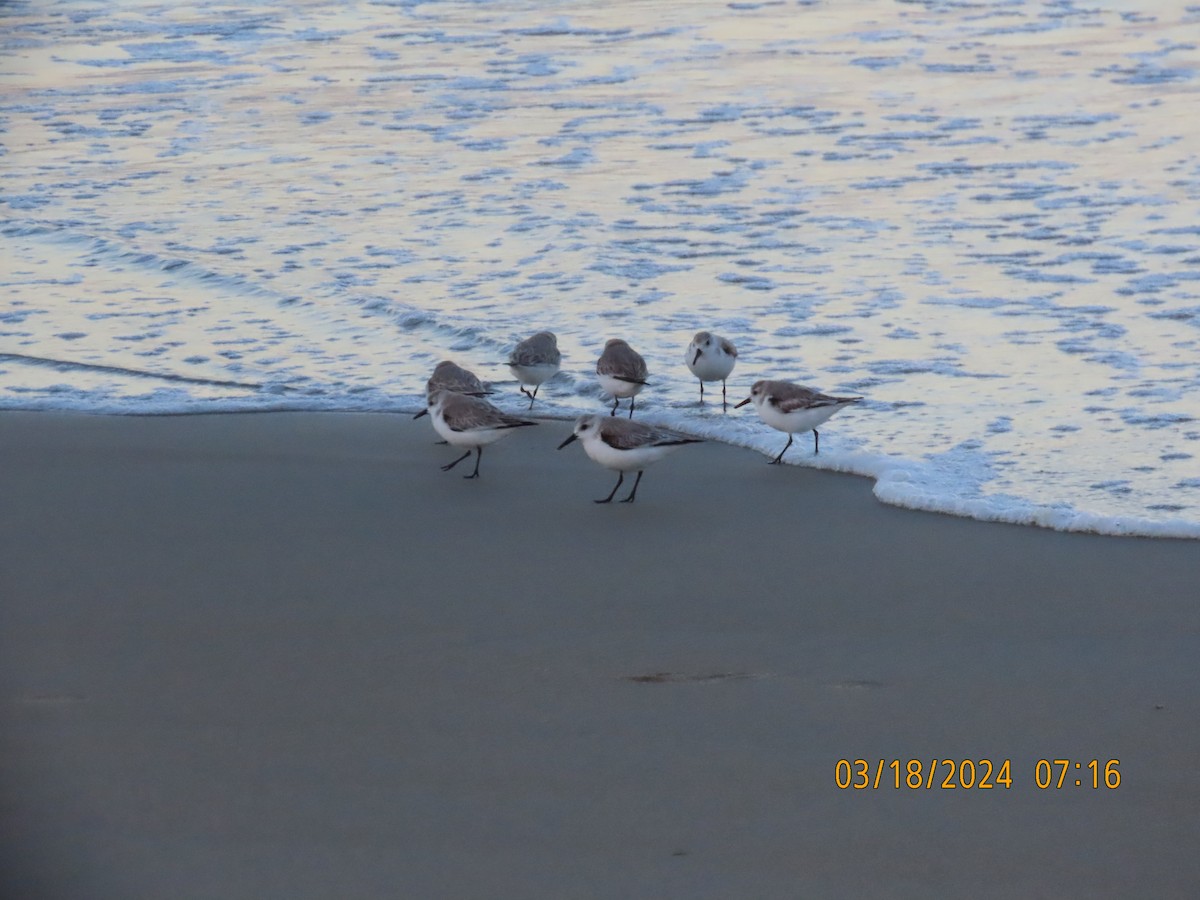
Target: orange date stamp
{"type": "Point", "coordinates": [937, 773]}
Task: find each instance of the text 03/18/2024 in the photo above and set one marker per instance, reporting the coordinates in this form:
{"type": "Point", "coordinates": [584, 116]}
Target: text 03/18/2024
{"type": "Point", "coordinates": [977, 774]}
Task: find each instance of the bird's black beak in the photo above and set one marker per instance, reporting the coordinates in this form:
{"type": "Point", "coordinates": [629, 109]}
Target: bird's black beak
{"type": "Point", "coordinates": [423, 412]}
{"type": "Point", "coordinates": [743, 403]}
{"type": "Point", "coordinates": [697, 356]}
{"type": "Point", "coordinates": [570, 438]}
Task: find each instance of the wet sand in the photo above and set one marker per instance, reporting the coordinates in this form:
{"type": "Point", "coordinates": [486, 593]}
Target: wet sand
{"type": "Point", "coordinates": [283, 655]}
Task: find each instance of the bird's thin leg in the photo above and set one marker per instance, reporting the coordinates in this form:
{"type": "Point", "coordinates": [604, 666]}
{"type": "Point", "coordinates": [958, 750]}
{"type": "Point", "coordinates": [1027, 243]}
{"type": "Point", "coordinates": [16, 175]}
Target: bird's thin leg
{"type": "Point", "coordinates": [608, 499]}
{"type": "Point", "coordinates": [633, 493]}
{"type": "Point", "coordinates": [616, 400]}
{"type": "Point", "coordinates": [631, 402]}
{"type": "Point", "coordinates": [478, 457]}
{"type": "Point", "coordinates": [724, 402]}
{"type": "Point", "coordinates": [702, 393]}
{"type": "Point", "coordinates": [816, 442]}
{"type": "Point", "coordinates": [449, 466]}
{"type": "Point", "coordinates": [779, 458]}
{"type": "Point", "coordinates": [531, 396]}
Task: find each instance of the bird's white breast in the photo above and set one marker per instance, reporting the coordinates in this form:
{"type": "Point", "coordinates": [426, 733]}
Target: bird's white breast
{"type": "Point", "coordinates": [536, 374]}
{"type": "Point", "coordinates": [617, 388]}
{"type": "Point", "coordinates": [713, 365]}
{"type": "Point", "coordinates": [797, 420]}
{"type": "Point", "coordinates": [625, 460]}
{"type": "Point", "coordinates": [478, 437]}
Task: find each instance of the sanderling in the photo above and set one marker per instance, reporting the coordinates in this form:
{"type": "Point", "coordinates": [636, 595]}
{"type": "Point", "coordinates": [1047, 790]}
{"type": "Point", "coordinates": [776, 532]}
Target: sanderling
{"type": "Point", "coordinates": [535, 360]}
{"type": "Point", "coordinates": [470, 422]}
{"type": "Point", "coordinates": [793, 408]}
{"type": "Point", "coordinates": [624, 446]}
{"type": "Point", "coordinates": [711, 358]}
{"type": "Point", "coordinates": [448, 376]}
{"type": "Point", "coordinates": [622, 372]}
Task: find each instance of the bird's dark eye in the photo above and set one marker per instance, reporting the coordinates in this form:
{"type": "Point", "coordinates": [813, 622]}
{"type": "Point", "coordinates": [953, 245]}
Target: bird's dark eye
{"type": "Point", "coordinates": [583, 428]}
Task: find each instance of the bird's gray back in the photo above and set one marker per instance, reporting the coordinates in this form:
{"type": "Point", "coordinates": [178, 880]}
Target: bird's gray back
{"type": "Point", "coordinates": [540, 349]}
{"type": "Point", "coordinates": [626, 434]}
{"type": "Point", "coordinates": [463, 413]}
{"type": "Point", "coordinates": [790, 397]}
{"type": "Point", "coordinates": [621, 360]}
{"type": "Point", "coordinates": [450, 377]}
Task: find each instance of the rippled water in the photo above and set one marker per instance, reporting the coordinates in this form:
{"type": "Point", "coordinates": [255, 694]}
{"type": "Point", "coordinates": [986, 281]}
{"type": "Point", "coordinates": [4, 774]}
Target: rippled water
{"type": "Point", "coordinates": [982, 216]}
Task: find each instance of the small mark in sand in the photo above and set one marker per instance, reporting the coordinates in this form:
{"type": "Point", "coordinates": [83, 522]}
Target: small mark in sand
{"type": "Point", "coordinates": [858, 684]}
{"type": "Point", "coordinates": [680, 853]}
{"type": "Point", "coordinates": [48, 700]}
{"type": "Point", "coordinates": [680, 677]}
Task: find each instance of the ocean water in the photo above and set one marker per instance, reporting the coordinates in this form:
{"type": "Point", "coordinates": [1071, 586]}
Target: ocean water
{"type": "Point", "coordinates": [982, 216]}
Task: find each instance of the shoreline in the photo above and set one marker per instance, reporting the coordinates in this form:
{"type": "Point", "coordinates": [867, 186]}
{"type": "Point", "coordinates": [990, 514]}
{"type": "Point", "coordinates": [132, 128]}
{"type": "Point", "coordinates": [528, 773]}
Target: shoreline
{"type": "Point", "coordinates": [889, 487]}
{"type": "Point", "coordinates": [284, 656]}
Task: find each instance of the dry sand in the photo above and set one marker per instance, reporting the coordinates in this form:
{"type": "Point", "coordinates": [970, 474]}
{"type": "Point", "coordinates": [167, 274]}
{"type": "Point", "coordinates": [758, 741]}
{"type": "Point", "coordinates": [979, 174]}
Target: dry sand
{"type": "Point", "coordinates": [283, 656]}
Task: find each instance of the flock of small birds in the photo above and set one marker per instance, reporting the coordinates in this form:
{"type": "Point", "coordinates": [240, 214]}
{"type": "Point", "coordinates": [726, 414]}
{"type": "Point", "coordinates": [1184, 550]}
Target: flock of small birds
{"type": "Point", "coordinates": [456, 404]}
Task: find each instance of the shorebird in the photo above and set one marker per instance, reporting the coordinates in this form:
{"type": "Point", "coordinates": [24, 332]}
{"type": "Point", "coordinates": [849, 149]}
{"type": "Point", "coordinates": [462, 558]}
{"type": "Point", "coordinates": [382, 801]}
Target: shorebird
{"type": "Point", "coordinates": [535, 360]}
{"type": "Point", "coordinates": [624, 446]}
{"type": "Point", "coordinates": [794, 409]}
{"type": "Point", "coordinates": [622, 372]}
{"type": "Point", "coordinates": [711, 358]}
{"type": "Point", "coordinates": [448, 376]}
{"type": "Point", "coordinates": [470, 422]}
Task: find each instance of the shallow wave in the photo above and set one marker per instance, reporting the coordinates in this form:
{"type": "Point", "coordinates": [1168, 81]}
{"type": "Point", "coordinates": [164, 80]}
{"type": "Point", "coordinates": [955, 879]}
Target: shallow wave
{"type": "Point", "coordinates": [306, 206]}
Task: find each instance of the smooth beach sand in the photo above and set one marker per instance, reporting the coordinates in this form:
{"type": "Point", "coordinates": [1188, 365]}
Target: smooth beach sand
{"type": "Point", "coordinates": [283, 656]}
